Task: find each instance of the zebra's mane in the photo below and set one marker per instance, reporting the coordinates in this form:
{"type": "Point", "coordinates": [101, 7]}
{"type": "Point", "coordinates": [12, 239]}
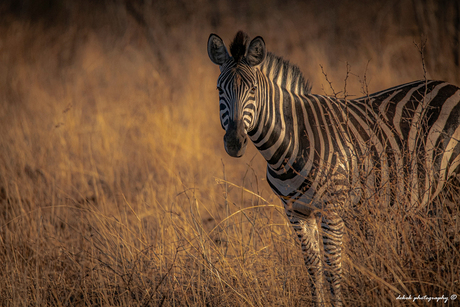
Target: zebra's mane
{"type": "Point", "coordinates": [274, 64]}
{"type": "Point", "coordinates": [238, 46]}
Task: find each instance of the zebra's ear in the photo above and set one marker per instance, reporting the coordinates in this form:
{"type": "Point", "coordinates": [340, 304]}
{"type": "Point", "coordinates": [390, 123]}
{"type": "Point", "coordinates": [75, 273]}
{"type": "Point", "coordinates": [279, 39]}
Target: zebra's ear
{"type": "Point", "coordinates": [216, 50]}
{"type": "Point", "coordinates": [256, 51]}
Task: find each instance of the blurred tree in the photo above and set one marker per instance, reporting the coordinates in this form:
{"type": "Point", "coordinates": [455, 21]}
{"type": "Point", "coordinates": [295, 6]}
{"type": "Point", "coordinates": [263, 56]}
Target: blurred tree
{"type": "Point", "coordinates": [439, 22]}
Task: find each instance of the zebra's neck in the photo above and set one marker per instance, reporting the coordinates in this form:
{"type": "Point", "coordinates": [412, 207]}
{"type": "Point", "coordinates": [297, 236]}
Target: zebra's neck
{"type": "Point", "coordinates": [285, 75]}
{"type": "Point", "coordinates": [282, 89]}
{"type": "Point", "coordinates": [282, 133]}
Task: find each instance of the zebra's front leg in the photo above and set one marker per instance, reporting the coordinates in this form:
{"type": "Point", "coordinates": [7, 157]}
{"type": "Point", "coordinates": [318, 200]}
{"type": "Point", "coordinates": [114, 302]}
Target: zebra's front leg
{"type": "Point", "coordinates": [307, 232]}
{"type": "Point", "coordinates": [332, 230]}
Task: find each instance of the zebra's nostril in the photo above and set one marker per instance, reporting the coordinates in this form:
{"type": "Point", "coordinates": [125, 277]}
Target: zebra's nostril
{"type": "Point", "coordinates": [235, 142]}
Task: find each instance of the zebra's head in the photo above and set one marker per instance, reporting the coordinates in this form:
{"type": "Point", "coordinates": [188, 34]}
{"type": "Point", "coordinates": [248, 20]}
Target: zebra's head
{"type": "Point", "coordinates": [238, 87]}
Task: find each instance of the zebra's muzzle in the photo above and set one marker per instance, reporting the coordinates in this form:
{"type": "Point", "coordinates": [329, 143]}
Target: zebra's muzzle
{"type": "Point", "coordinates": [235, 139]}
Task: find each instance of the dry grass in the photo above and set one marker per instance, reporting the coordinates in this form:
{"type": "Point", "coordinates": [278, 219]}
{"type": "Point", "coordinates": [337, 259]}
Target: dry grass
{"type": "Point", "coordinates": [114, 185]}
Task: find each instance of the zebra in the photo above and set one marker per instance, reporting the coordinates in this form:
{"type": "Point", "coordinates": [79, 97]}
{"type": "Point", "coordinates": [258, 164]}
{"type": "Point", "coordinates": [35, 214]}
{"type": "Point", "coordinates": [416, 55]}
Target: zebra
{"type": "Point", "coordinates": [323, 153]}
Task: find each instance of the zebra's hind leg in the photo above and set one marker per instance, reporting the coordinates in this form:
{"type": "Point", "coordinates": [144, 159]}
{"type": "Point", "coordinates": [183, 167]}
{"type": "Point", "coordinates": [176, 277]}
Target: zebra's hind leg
{"type": "Point", "coordinates": [307, 232]}
{"type": "Point", "coordinates": [332, 230]}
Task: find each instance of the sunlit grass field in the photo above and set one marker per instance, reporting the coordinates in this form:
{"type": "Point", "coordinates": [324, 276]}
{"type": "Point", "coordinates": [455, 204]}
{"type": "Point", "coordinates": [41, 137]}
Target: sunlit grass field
{"type": "Point", "coordinates": [115, 189]}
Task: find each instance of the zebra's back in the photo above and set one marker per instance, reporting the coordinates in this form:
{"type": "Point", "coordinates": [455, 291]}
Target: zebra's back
{"type": "Point", "coordinates": [401, 143]}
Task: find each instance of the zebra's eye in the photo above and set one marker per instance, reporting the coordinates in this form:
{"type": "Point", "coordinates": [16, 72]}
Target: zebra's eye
{"type": "Point", "coordinates": [220, 90]}
{"type": "Point", "coordinates": [253, 89]}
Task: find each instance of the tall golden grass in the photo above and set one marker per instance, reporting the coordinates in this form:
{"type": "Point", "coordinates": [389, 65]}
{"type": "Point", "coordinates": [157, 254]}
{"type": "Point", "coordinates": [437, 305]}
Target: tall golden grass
{"type": "Point", "coordinates": [114, 185]}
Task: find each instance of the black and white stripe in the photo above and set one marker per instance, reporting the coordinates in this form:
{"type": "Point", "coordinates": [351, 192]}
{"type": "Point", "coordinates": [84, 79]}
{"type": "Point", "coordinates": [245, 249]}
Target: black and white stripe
{"type": "Point", "coordinates": [397, 146]}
